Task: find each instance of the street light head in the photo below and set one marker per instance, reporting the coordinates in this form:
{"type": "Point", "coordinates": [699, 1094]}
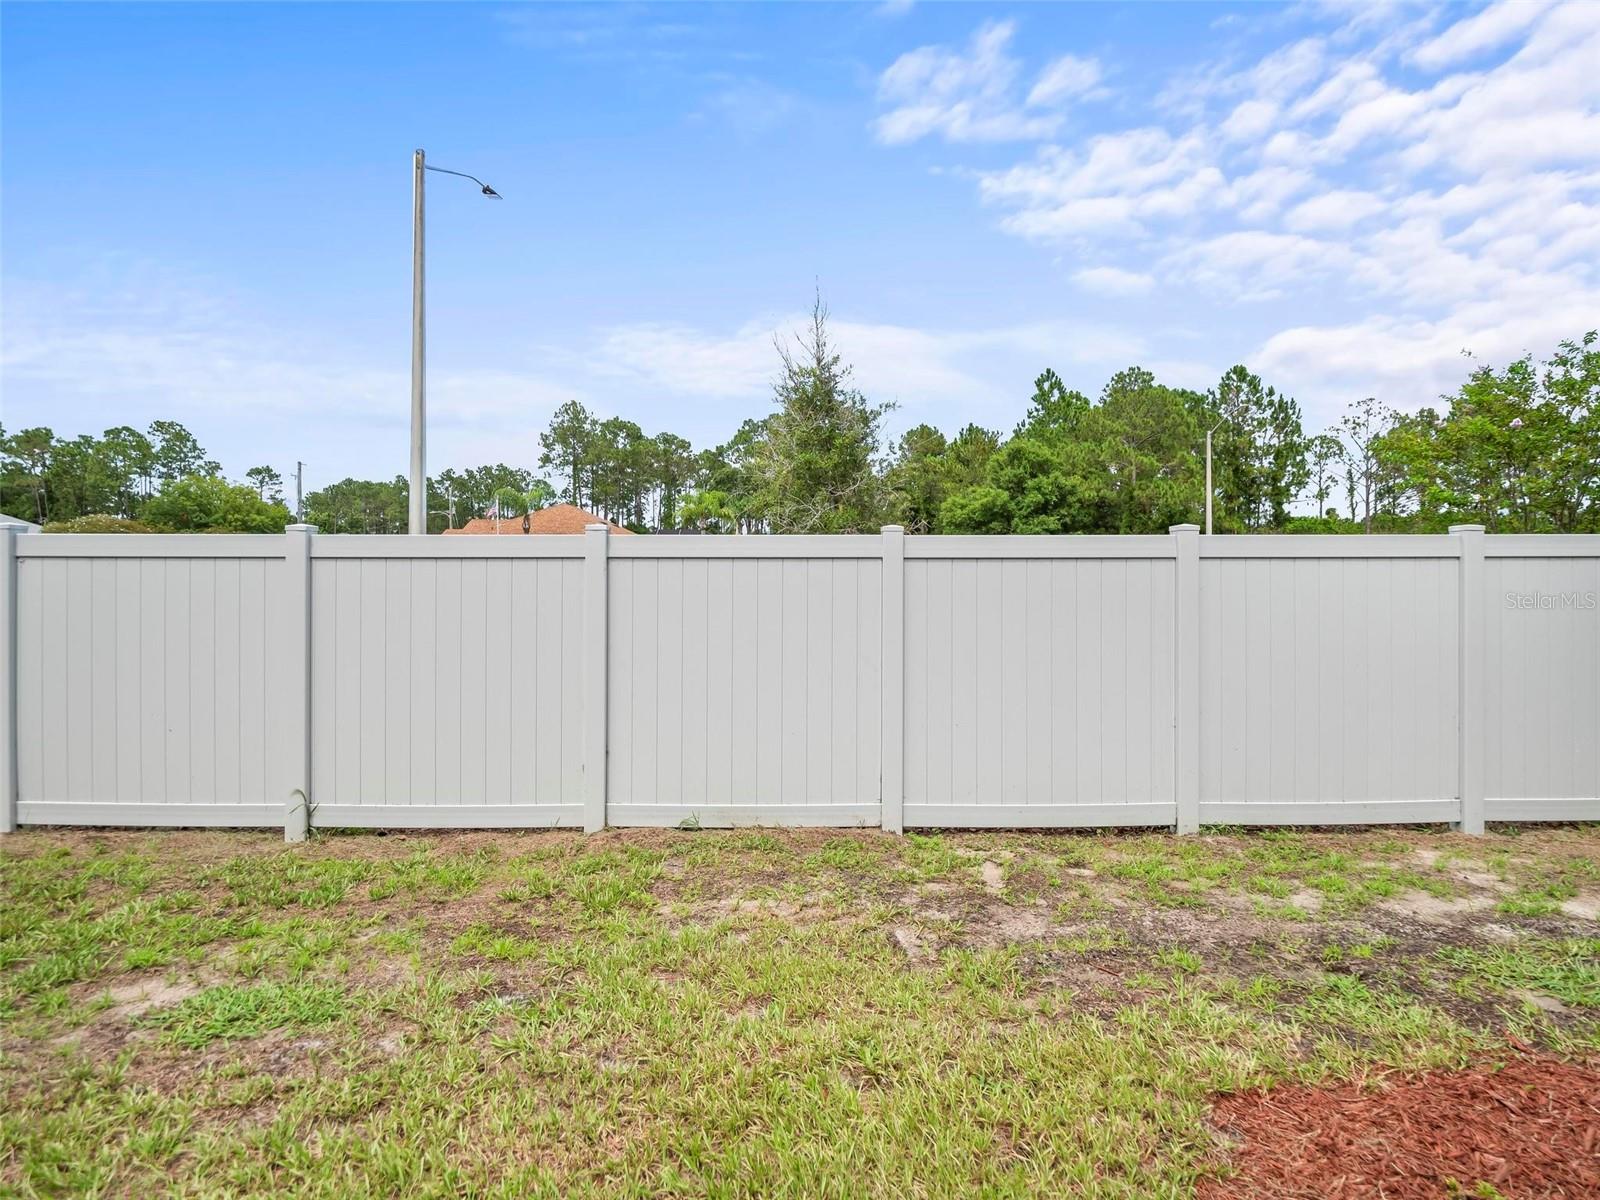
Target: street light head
{"type": "Point", "coordinates": [491, 193]}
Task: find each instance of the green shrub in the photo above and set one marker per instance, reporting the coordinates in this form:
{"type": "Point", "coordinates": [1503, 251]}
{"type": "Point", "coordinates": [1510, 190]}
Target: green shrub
{"type": "Point", "coordinates": [100, 523]}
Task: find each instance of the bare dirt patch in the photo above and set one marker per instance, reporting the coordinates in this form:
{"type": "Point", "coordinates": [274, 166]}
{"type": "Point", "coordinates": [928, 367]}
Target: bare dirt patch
{"type": "Point", "coordinates": [137, 996]}
{"type": "Point", "coordinates": [1529, 1129]}
{"type": "Point", "coordinates": [1436, 910]}
{"type": "Point", "coordinates": [1582, 908]}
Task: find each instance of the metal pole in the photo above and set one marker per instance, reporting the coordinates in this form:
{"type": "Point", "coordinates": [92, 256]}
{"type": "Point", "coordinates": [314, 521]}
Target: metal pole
{"type": "Point", "coordinates": [299, 492]}
{"type": "Point", "coordinates": [1208, 483]}
{"type": "Point", "coordinates": [418, 522]}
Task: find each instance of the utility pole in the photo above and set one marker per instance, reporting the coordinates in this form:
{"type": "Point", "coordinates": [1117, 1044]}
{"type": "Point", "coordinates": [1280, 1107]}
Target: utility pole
{"type": "Point", "coordinates": [299, 492]}
{"type": "Point", "coordinates": [417, 515]}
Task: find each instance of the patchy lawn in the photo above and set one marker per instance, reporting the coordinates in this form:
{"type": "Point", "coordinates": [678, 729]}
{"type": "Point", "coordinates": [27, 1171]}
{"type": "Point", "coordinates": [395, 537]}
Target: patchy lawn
{"type": "Point", "coordinates": [804, 1014]}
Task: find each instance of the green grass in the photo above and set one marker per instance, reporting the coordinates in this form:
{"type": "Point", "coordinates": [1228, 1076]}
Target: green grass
{"type": "Point", "coordinates": [721, 1014]}
{"type": "Point", "coordinates": [230, 1011]}
{"type": "Point", "coordinates": [1566, 968]}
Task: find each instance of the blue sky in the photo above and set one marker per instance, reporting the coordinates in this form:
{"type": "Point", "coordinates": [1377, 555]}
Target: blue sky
{"type": "Point", "coordinates": [206, 209]}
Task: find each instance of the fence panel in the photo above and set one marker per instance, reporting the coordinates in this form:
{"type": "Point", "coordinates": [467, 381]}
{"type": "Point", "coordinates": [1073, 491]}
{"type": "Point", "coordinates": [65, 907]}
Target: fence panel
{"type": "Point", "coordinates": [1040, 690]}
{"type": "Point", "coordinates": [1542, 680]}
{"type": "Point", "coordinates": [147, 689]}
{"type": "Point", "coordinates": [744, 690]}
{"type": "Point", "coordinates": [442, 689]}
{"type": "Point", "coordinates": [1328, 684]}
{"type": "Point", "coordinates": [921, 681]}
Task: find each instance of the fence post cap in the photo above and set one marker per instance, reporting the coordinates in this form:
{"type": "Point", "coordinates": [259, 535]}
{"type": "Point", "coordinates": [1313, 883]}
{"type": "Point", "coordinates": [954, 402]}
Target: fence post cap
{"type": "Point", "coordinates": [892, 529]}
{"type": "Point", "coordinates": [1466, 528]}
{"type": "Point", "coordinates": [300, 529]}
{"type": "Point", "coordinates": [597, 527]}
{"type": "Point", "coordinates": [1183, 529]}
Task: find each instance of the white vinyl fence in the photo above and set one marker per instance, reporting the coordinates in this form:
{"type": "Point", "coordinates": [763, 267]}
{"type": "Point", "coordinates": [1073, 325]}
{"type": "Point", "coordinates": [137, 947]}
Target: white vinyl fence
{"type": "Point", "coordinates": [854, 680]}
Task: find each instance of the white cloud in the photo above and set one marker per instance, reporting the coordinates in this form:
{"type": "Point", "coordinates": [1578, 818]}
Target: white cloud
{"type": "Point", "coordinates": [1066, 78]}
{"type": "Point", "coordinates": [1485, 30]}
{"type": "Point", "coordinates": [1250, 120]}
{"type": "Point", "coordinates": [680, 359]}
{"type": "Point", "coordinates": [973, 95]}
{"type": "Point", "coordinates": [916, 368]}
{"type": "Point", "coordinates": [751, 107]}
{"type": "Point", "coordinates": [1442, 180]}
{"type": "Point", "coordinates": [1253, 264]}
{"type": "Point", "coordinates": [127, 343]}
{"type": "Point", "coordinates": [1333, 211]}
{"type": "Point", "coordinates": [1113, 281]}
{"type": "Point", "coordinates": [1410, 361]}
{"type": "Point", "coordinates": [1122, 180]}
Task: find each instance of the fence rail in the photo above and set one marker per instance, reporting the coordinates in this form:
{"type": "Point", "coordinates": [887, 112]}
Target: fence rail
{"type": "Point", "coordinates": [902, 681]}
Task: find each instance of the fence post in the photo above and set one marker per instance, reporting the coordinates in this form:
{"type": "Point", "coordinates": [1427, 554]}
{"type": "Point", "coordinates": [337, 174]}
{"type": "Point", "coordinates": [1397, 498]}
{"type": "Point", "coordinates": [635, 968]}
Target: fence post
{"type": "Point", "coordinates": [893, 800]}
{"type": "Point", "coordinates": [1186, 711]}
{"type": "Point", "coordinates": [8, 677]}
{"type": "Point", "coordinates": [596, 632]}
{"type": "Point", "coordinates": [297, 657]}
{"type": "Point", "coordinates": [1469, 722]}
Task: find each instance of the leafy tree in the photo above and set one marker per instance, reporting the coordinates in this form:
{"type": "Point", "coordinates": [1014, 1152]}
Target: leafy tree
{"type": "Point", "coordinates": [1323, 454]}
{"type": "Point", "coordinates": [131, 458]}
{"type": "Point", "coordinates": [28, 455]}
{"type": "Point", "coordinates": [729, 469]}
{"type": "Point", "coordinates": [815, 470]}
{"type": "Point", "coordinates": [1360, 432]}
{"type": "Point", "coordinates": [539, 495]}
{"type": "Point", "coordinates": [673, 467]}
{"type": "Point", "coordinates": [926, 470]}
{"type": "Point", "coordinates": [709, 512]}
{"type": "Point", "coordinates": [917, 478]}
{"type": "Point", "coordinates": [455, 497]}
{"type": "Point", "coordinates": [1259, 452]}
{"type": "Point", "coordinates": [1518, 450]}
{"type": "Point", "coordinates": [1124, 464]}
{"type": "Point", "coordinates": [177, 454]}
{"type": "Point", "coordinates": [1053, 409]}
{"type": "Point", "coordinates": [567, 445]}
{"type": "Point", "coordinates": [206, 503]}
{"type": "Point", "coordinates": [82, 480]}
{"type": "Point", "coordinates": [1146, 436]}
{"type": "Point", "coordinates": [982, 508]}
{"type": "Point", "coordinates": [267, 482]}
{"type": "Point", "coordinates": [360, 506]}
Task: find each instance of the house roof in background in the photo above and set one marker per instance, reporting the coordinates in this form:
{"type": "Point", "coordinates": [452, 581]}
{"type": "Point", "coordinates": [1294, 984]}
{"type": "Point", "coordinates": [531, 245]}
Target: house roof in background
{"type": "Point", "coordinates": [558, 518]}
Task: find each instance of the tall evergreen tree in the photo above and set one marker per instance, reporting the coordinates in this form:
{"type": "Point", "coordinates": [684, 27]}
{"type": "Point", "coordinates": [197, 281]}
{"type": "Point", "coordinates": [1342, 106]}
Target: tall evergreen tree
{"type": "Point", "coordinates": [815, 468]}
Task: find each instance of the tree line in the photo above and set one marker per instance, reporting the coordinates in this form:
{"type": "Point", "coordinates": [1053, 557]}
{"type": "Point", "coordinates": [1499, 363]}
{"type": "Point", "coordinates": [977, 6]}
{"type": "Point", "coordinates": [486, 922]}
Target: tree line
{"type": "Point", "coordinates": [1515, 448]}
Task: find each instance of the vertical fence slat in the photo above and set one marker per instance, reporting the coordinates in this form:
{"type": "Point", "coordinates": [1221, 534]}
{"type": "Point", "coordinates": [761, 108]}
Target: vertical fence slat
{"type": "Point", "coordinates": [894, 678]}
{"type": "Point", "coordinates": [296, 756]}
{"type": "Point", "coordinates": [1187, 677]}
{"type": "Point", "coordinates": [1469, 724]}
{"type": "Point", "coordinates": [8, 678]}
{"type": "Point", "coordinates": [596, 618]}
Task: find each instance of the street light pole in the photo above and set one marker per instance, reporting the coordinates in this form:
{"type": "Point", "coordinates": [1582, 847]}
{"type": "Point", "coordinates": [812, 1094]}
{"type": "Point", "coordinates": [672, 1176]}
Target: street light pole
{"type": "Point", "coordinates": [417, 508]}
{"type": "Point", "coordinates": [418, 516]}
{"type": "Point", "coordinates": [1208, 479]}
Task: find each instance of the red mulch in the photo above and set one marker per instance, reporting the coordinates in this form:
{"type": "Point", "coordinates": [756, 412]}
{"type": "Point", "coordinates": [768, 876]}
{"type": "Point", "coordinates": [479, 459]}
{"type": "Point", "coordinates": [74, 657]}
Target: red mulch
{"type": "Point", "coordinates": [1530, 1128]}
